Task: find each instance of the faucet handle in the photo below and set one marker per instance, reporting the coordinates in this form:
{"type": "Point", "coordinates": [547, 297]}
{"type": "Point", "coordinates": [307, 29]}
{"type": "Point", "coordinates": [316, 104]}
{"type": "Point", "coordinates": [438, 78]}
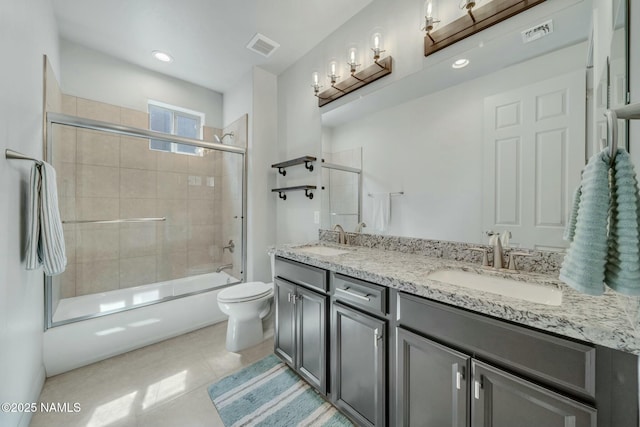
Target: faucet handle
{"type": "Point", "coordinates": [512, 259]}
{"type": "Point", "coordinates": [485, 257]}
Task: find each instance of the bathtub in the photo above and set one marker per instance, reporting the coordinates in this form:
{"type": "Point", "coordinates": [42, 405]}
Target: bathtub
{"type": "Point", "coordinates": [162, 310]}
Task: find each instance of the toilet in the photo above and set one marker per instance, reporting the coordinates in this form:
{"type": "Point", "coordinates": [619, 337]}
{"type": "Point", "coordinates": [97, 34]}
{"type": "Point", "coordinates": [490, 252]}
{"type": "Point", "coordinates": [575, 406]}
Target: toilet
{"type": "Point", "coordinates": [246, 305]}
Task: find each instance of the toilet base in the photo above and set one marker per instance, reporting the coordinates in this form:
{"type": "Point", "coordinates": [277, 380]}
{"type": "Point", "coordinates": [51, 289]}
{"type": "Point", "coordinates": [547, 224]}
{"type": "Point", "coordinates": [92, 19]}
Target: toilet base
{"type": "Point", "coordinates": [243, 333]}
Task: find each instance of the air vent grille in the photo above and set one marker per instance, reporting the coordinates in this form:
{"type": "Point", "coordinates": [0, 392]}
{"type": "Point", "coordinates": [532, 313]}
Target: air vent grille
{"type": "Point", "coordinates": [537, 32]}
{"type": "Point", "coordinates": [262, 45]}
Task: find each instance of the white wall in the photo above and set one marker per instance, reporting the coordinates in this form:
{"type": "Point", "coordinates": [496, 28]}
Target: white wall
{"type": "Point", "coordinates": [91, 74]}
{"type": "Point", "coordinates": [432, 148]}
{"type": "Point", "coordinates": [634, 82]}
{"type": "Point", "coordinates": [27, 31]}
{"type": "Point", "coordinates": [256, 95]}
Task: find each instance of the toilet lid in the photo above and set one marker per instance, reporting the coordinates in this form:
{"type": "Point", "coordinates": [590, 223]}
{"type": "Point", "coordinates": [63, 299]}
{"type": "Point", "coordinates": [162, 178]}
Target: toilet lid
{"type": "Point", "coordinates": [245, 292]}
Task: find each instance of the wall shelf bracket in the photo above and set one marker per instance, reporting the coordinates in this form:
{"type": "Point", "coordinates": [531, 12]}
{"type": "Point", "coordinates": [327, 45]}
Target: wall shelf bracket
{"type": "Point", "coordinates": [308, 191]}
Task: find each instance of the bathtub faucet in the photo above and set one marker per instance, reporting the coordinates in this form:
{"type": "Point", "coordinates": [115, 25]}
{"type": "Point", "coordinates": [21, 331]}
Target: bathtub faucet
{"type": "Point", "coordinates": [224, 267]}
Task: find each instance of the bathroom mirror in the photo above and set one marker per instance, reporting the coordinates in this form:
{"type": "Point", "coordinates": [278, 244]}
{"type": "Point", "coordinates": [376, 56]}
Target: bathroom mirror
{"type": "Point", "coordinates": [444, 146]}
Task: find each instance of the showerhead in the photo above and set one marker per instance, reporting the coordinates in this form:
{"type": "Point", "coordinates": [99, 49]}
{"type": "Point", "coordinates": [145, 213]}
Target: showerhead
{"type": "Point", "coordinates": [219, 139]}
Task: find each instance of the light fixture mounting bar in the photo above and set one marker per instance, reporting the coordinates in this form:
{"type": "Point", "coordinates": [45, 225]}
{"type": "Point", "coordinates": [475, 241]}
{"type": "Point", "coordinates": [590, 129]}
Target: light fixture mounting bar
{"type": "Point", "coordinates": [485, 16]}
{"type": "Point", "coordinates": [362, 78]}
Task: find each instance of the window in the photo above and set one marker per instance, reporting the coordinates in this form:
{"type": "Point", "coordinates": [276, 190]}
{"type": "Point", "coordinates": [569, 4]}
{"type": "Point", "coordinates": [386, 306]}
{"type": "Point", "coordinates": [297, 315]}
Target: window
{"type": "Point", "coordinates": [175, 121]}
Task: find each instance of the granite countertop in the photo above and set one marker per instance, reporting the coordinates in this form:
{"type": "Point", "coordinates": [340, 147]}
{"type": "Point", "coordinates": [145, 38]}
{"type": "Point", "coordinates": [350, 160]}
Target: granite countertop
{"type": "Point", "coordinates": [599, 320]}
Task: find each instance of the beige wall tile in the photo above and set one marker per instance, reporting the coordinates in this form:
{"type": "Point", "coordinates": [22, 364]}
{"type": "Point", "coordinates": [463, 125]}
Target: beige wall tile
{"type": "Point", "coordinates": [204, 165]}
{"type": "Point", "coordinates": [137, 208]}
{"type": "Point", "coordinates": [202, 237]}
{"type": "Point", "coordinates": [174, 210]}
{"type": "Point", "coordinates": [201, 212]}
{"type": "Point", "coordinates": [171, 265]}
{"type": "Point", "coordinates": [136, 154]}
{"type": "Point", "coordinates": [98, 148]}
{"type": "Point", "coordinates": [208, 132]}
{"type": "Point", "coordinates": [95, 244]}
{"type": "Point", "coordinates": [98, 110]}
{"type": "Point", "coordinates": [134, 118]}
{"type": "Point", "coordinates": [64, 144]}
{"type": "Point", "coordinates": [69, 105]}
{"type": "Point", "coordinates": [97, 276]}
{"type": "Point", "coordinates": [172, 162]}
{"type": "Point", "coordinates": [66, 179]}
{"type": "Point", "coordinates": [202, 188]}
{"type": "Point", "coordinates": [137, 239]}
{"type": "Point", "coordinates": [97, 208]}
{"type": "Point", "coordinates": [97, 181]}
{"type": "Point", "coordinates": [201, 261]}
{"type": "Point", "coordinates": [67, 282]}
{"type": "Point", "coordinates": [137, 271]}
{"type": "Point", "coordinates": [137, 183]}
{"type": "Point", "coordinates": [172, 185]}
{"type": "Point", "coordinates": [172, 238]}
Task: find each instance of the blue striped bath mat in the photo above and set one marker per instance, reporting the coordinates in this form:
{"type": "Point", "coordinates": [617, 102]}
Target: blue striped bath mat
{"type": "Point", "coordinates": [268, 393]}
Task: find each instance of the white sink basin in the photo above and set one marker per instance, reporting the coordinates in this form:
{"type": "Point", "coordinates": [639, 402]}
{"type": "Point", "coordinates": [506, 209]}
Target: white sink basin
{"type": "Point", "coordinates": [323, 250]}
{"type": "Point", "coordinates": [497, 285]}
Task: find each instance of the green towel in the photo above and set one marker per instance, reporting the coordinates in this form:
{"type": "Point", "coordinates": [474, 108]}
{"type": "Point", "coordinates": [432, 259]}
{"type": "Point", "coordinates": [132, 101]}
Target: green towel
{"type": "Point", "coordinates": [623, 261]}
{"type": "Point", "coordinates": [584, 264]}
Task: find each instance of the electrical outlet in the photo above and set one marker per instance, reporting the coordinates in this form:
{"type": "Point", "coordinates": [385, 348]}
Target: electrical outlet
{"type": "Point", "coordinates": [316, 217]}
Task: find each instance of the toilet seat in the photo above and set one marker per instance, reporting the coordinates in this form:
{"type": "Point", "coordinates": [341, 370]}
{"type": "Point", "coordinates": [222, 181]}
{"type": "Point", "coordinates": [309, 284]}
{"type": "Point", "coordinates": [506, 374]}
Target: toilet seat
{"type": "Point", "coordinates": [245, 292]}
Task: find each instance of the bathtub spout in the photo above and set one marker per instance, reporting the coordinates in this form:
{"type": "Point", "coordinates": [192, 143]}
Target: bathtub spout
{"type": "Point", "coordinates": [224, 267]}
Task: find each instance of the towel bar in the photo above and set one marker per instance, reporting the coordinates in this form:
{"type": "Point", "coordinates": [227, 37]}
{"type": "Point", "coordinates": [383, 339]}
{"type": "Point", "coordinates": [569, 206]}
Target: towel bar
{"type": "Point", "coordinates": [114, 221]}
{"type": "Point", "coordinates": [399, 193]}
{"type": "Point", "coordinates": [11, 154]}
{"type": "Point", "coordinates": [631, 112]}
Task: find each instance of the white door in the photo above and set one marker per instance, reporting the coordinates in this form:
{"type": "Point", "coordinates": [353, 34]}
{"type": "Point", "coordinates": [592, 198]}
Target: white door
{"type": "Point", "coordinates": [534, 150]}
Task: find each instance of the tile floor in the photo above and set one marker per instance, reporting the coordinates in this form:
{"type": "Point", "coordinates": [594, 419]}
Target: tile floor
{"type": "Point", "coordinates": [164, 384]}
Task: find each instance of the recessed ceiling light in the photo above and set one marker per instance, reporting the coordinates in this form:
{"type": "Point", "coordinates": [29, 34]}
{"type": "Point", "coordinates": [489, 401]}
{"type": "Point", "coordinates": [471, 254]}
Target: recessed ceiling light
{"type": "Point", "coordinates": [162, 56]}
{"type": "Point", "coordinates": [460, 63]}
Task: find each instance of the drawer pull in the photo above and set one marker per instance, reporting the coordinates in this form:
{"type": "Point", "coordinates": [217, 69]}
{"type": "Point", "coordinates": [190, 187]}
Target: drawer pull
{"type": "Point", "coordinates": [353, 294]}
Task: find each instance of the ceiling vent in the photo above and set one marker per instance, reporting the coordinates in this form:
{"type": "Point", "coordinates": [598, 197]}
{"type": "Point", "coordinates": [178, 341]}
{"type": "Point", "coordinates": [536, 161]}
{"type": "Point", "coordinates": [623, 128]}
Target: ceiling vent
{"type": "Point", "coordinates": [537, 32]}
{"type": "Point", "coordinates": [262, 45]}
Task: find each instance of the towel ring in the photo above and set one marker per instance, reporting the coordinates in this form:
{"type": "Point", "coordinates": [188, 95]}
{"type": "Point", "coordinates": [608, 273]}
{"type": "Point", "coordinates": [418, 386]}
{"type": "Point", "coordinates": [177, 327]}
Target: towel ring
{"type": "Point", "coordinates": [612, 134]}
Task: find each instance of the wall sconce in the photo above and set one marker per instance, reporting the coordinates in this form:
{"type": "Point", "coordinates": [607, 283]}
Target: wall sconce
{"type": "Point", "coordinates": [333, 69]}
{"type": "Point", "coordinates": [469, 5]}
{"type": "Point", "coordinates": [377, 45]}
{"type": "Point", "coordinates": [430, 21]}
{"type": "Point", "coordinates": [352, 59]}
{"type": "Point", "coordinates": [316, 82]}
{"type": "Point", "coordinates": [490, 13]}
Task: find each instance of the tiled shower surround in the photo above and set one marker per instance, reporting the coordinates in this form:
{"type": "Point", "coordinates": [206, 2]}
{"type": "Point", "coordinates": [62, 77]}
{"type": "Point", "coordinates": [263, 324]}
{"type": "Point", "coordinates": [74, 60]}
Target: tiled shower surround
{"type": "Point", "coordinates": [107, 176]}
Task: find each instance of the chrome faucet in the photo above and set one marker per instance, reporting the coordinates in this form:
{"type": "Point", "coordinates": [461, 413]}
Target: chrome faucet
{"type": "Point", "coordinates": [497, 250]}
{"type": "Point", "coordinates": [342, 238]}
{"type": "Point", "coordinates": [360, 226]}
{"type": "Point", "coordinates": [224, 267]}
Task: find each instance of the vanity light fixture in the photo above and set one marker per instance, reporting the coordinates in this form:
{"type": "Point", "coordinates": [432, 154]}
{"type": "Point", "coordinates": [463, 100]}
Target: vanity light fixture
{"type": "Point", "coordinates": [460, 63]}
{"type": "Point", "coordinates": [430, 21]}
{"type": "Point", "coordinates": [333, 68]}
{"type": "Point", "coordinates": [352, 59]}
{"type": "Point", "coordinates": [162, 56]}
{"type": "Point", "coordinates": [316, 83]}
{"type": "Point", "coordinates": [469, 5]}
{"type": "Point", "coordinates": [377, 45]}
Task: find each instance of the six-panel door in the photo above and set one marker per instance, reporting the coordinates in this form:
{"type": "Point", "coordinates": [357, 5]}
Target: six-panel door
{"type": "Point", "coordinates": [431, 383]}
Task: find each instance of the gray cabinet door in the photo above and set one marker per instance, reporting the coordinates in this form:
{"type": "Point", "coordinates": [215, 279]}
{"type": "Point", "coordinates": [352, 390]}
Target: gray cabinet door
{"type": "Point", "coordinates": [285, 321]}
{"type": "Point", "coordinates": [358, 365]}
{"type": "Point", "coordinates": [499, 399]}
{"type": "Point", "coordinates": [431, 383]}
{"type": "Point", "coordinates": [312, 337]}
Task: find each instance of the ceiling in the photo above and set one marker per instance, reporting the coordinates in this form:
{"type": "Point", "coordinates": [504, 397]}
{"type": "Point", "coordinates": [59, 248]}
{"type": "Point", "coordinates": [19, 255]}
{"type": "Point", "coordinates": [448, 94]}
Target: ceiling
{"type": "Point", "coordinates": [207, 38]}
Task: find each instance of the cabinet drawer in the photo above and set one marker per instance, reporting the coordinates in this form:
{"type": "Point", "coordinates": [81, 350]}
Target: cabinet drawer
{"type": "Point", "coordinates": [302, 274]}
{"type": "Point", "coordinates": [369, 296]}
{"type": "Point", "coordinates": [561, 363]}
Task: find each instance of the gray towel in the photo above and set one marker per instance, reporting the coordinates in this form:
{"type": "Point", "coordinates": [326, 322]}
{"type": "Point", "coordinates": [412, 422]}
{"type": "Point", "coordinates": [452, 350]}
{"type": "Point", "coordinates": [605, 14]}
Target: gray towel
{"type": "Point", "coordinates": [583, 267]}
{"type": "Point", "coordinates": [45, 241]}
{"type": "Point", "coordinates": [623, 260]}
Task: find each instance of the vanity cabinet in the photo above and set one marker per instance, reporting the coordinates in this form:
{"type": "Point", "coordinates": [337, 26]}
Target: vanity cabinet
{"type": "Point", "coordinates": [498, 375]}
{"type": "Point", "coordinates": [301, 320]}
{"type": "Point", "coordinates": [359, 350]}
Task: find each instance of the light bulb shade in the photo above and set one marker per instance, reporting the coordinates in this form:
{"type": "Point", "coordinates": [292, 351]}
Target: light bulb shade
{"type": "Point", "coordinates": [430, 9]}
{"type": "Point", "coordinates": [377, 41]}
{"type": "Point", "coordinates": [315, 78]}
{"type": "Point", "coordinates": [352, 56]}
{"type": "Point", "coordinates": [332, 70]}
